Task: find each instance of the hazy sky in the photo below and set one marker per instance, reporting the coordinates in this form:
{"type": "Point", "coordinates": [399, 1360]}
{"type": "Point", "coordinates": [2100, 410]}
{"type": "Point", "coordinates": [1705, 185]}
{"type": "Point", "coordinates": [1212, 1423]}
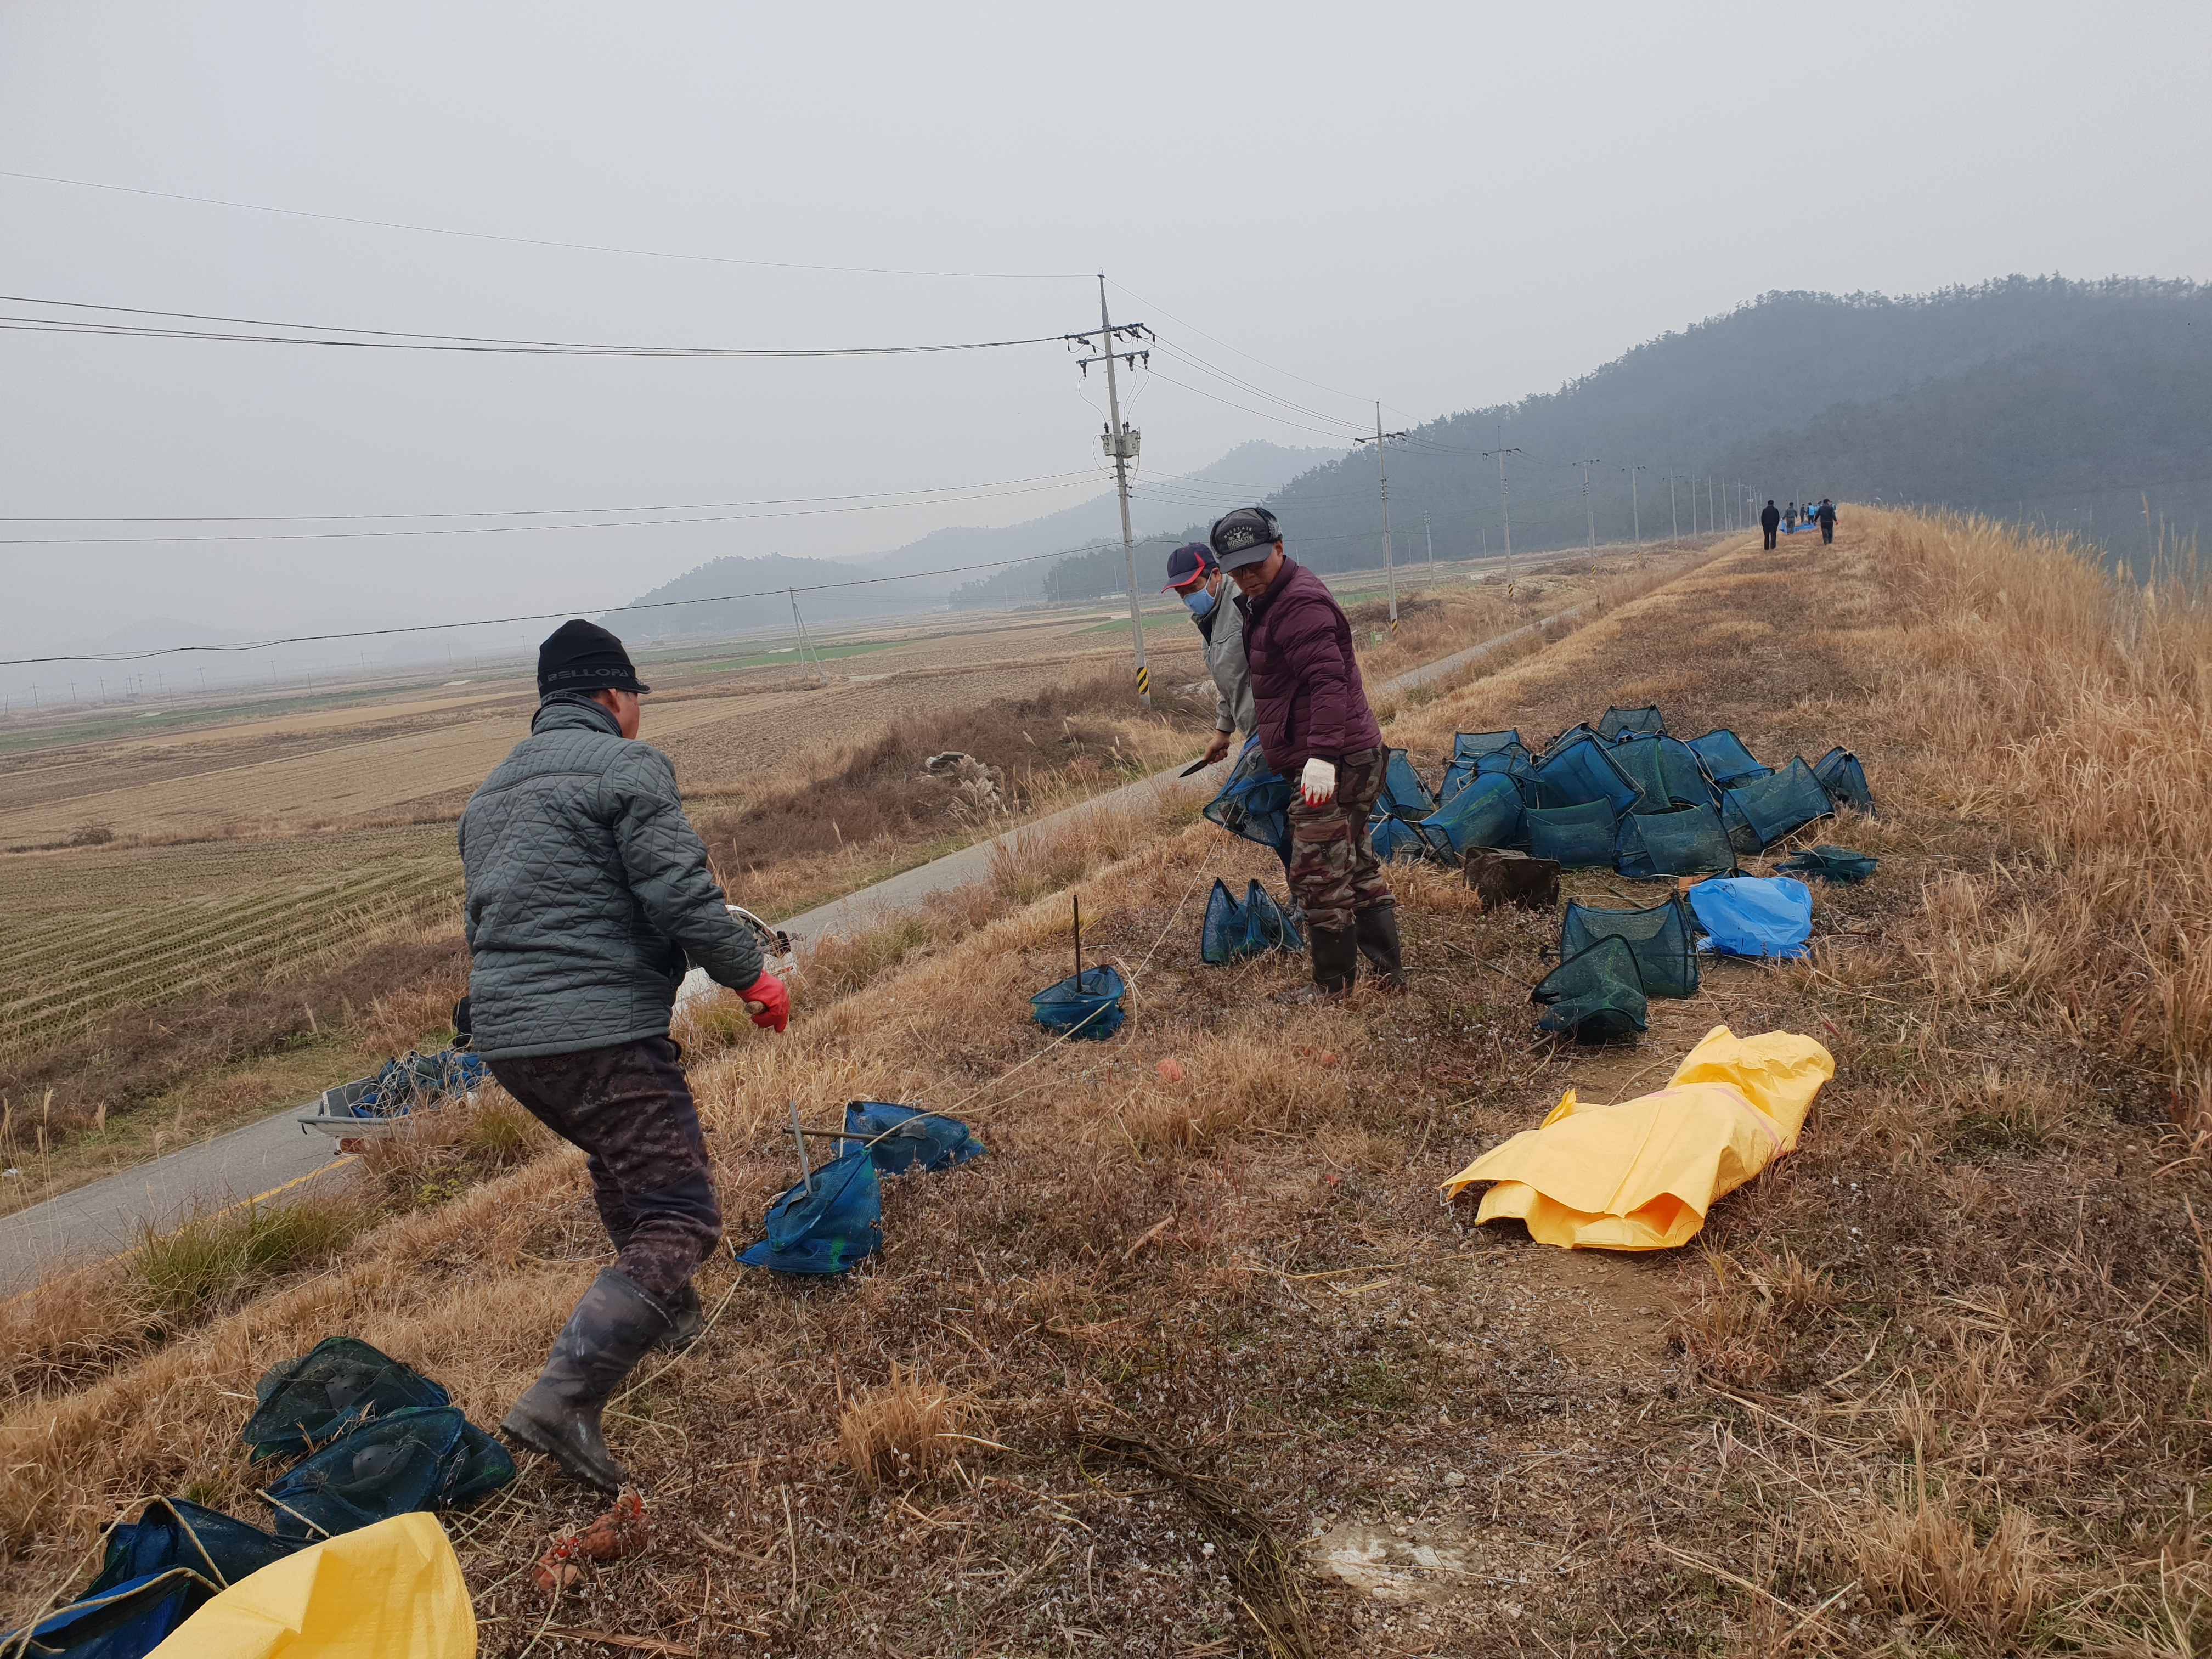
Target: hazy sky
{"type": "Point", "coordinates": [1441, 206]}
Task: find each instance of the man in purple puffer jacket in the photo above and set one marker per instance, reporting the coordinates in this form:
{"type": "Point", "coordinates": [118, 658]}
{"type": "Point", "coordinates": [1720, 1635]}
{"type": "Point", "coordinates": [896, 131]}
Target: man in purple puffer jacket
{"type": "Point", "coordinates": [1318, 731]}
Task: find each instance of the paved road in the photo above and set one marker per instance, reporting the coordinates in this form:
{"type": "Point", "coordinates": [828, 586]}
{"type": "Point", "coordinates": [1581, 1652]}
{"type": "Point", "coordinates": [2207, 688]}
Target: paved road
{"type": "Point", "coordinates": [277, 1155]}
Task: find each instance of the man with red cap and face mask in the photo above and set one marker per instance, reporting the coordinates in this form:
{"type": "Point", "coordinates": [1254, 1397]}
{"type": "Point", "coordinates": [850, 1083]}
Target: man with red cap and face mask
{"type": "Point", "coordinates": [1194, 576]}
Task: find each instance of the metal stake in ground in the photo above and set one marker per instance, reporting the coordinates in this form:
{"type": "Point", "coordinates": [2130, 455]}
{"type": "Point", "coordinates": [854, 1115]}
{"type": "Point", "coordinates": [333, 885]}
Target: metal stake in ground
{"type": "Point", "coordinates": [799, 1139]}
{"type": "Point", "coordinates": [1078, 943]}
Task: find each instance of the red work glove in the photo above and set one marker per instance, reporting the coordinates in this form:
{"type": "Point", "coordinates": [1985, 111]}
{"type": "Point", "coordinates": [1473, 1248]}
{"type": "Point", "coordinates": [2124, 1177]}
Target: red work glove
{"type": "Point", "coordinates": [768, 1002]}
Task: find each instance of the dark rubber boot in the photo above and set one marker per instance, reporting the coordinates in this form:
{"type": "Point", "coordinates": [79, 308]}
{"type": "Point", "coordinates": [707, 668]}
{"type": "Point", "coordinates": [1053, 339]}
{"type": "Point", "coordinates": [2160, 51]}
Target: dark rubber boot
{"type": "Point", "coordinates": [1376, 932]}
{"type": "Point", "coordinates": [1335, 965]}
{"type": "Point", "coordinates": [686, 1321]}
{"type": "Point", "coordinates": [610, 1332]}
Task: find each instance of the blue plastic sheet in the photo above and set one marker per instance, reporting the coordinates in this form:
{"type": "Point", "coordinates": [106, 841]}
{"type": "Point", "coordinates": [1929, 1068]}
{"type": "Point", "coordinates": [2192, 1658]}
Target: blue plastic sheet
{"type": "Point", "coordinates": [1254, 802]}
{"type": "Point", "coordinates": [903, 1138]}
{"type": "Point", "coordinates": [1087, 1005]}
{"type": "Point", "coordinates": [1754, 915]}
{"type": "Point", "coordinates": [828, 1226]}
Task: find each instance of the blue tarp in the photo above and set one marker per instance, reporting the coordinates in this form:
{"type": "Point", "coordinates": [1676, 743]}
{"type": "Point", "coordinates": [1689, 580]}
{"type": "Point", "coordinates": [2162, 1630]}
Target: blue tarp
{"type": "Point", "coordinates": [1754, 915]}
{"type": "Point", "coordinates": [828, 1227]}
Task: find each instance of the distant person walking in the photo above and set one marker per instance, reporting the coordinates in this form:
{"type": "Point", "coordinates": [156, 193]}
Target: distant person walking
{"type": "Point", "coordinates": [1771, 521]}
{"type": "Point", "coordinates": [1195, 577]}
{"type": "Point", "coordinates": [1826, 515]}
{"type": "Point", "coordinates": [587, 896]}
{"type": "Point", "coordinates": [1317, 731]}
{"type": "Point", "coordinates": [1789, 518]}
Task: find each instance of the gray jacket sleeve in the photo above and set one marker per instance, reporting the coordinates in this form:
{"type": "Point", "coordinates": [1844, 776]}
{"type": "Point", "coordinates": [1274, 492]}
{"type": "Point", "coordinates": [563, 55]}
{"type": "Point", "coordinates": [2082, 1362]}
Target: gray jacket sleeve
{"type": "Point", "coordinates": [666, 864]}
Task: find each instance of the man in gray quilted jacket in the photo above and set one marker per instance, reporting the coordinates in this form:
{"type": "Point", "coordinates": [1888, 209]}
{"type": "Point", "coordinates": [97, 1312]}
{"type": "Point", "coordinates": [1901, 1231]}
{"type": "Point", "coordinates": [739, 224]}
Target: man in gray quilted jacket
{"type": "Point", "coordinates": [588, 894]}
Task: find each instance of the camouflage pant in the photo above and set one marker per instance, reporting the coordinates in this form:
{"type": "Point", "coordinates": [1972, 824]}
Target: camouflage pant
{"type": "Point", "coordinates": [630, 1109]}
{"type": "Point", "coordinates": [1335, 874]}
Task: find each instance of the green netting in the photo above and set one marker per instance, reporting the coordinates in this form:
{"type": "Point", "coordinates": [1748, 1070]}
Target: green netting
{"type": "Point", "coordinates": [1845, 780]}
{"type": "Point", "coordinates": [1568, 738]}
{"type": "Point", "coordinates": [1758, 814]}
{"type": "Point", "coordinates": [1727, 762]}
{"type": "Point", "coordinates": [1487, 813]}
{"type": "Point", "coordinates": [1597, 993]}
{"type": "Point", "coordinates": [1827, 863]}
{"type": "Point", "coordinates": [420, 1458]}
{"type": "Point", "coordinates": [1581, 772]}
{"type": "Point", "coordinates": [1687, 842]}
{"type": "Point", "coordinates": [1579, 837]}
{"type": "Point", "coordinates": [1666, 770]}
{"type": "Point", "coordinates": [1254, 802]}
{"type": "Point", "coordinates": [1644, 722]}
{"type": "Point", "coordinates": [1511, 760]}
{"type": "Point", "coordinates": [1664, 939]}
{"type": "Point", "coordinates": [1403, 794]}
{"type": "Point", "coordinates": [308, 1401]}
{"type": "Point", "coordinates": [1232, 930]}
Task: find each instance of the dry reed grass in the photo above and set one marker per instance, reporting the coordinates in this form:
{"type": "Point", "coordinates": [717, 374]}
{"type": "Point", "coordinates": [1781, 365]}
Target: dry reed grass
{"type": "Point", "coordinates": [910, 1429]}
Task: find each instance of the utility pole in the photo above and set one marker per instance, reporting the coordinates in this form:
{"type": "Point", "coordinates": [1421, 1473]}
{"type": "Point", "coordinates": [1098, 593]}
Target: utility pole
{"type": "Point", "coordinates": [1432, 536]}
{"type": "Point", "coordinates": [1121, 443]}
{"type": "Point", "coordinates": [1635, 511]}
{"type": "Point", "coordinates": [1505, 511]}
{"type": "Point", "coordinates": [1674, 511]}
{"type": "Point", "coordinates": [1382, 476]}
{"type": "Point", "coordinates": [1590, 513]}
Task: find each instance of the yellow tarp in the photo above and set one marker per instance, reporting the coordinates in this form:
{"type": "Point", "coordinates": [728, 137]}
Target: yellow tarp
{"type": "Point", "coordinates": [1642, 1175]}
{"type": "Point", "coordinates": [390, 1591]}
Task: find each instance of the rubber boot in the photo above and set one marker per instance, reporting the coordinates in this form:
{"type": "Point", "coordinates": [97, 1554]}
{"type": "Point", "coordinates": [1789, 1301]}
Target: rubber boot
{"type": "Point", "coordinates": [609, 1333]}
{"type": "Point", "coordinates": [685, 1322]}
{"type": "Point", "coordinates": [1377, 930]}
{"type": "Point", "coordinates": [1335, 966]}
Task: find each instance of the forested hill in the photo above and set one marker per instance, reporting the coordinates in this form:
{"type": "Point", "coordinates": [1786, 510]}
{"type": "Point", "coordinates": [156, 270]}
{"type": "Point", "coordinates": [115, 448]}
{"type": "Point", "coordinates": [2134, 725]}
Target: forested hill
{"type": "Point", "coordinates": [2037, 398]}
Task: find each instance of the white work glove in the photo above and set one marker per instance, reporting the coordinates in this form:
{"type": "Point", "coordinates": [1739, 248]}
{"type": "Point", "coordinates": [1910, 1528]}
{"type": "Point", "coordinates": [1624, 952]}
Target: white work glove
{"type": "Point", "coordinates": [1318, 783]}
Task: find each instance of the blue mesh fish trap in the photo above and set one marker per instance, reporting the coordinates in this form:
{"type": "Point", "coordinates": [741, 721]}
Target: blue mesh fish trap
{"type": "Point", "coordinates": [1828, 863]}
{"type": "Point", "coordinates": [827, 1224]}
{"type": "Point", "coordinates": [1618, 723]}
{"type": "Point", "coordinates": [1086, 1005]}
{"type": "Point", "coordinates": [1232, 930]}
{"type": "Point", "coordinates": [1579, 837]}
{"type": "Point", "coordinates": [1758, 814]}
{"type": "Point", "coordinates": [127, 1621]}
{"type": "Point", "coordinates": [1568, 738]}
{"type": "Point", "coordinates": [418, 1083]}
{"type": "Point", "coordinates": [903, 1138]}
{"type": "Point", "coordinates": [1663, 937]}
{"type": "Point", "coordinates": [417, 1459]}
{"type": "Point", "coordinates": [1685, 841]}
{"type": "Point", "coordinates": [1404, 795]}
{"type": "Point", "coordinates": [1727, 762]}
{"type": "Point", "coordinates": [1393, 841]}
{"type": "Point", "coordinates": [1583, 772]}
{"type": "Point", "coordinates": [1487, 812]}
{"type": "Point", "coordinates": [1596, 994]}
{"type": "Point", "coordinates": [173, 1532]}
{"type": "Point", "coordinates": [311, 1401]}
{"type": "Point", "coordinates": [1254, 802]}
{"type": "Point", "coordinates": [1667, 772]}
{"type": "Point", "coordinates": [1477, 752]}
{"type": "Point", "coordinates": [1845, 780]}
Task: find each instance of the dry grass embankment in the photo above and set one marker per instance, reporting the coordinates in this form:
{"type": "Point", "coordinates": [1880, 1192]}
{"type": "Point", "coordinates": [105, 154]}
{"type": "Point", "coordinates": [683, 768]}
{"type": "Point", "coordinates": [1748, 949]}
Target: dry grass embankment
{"type": "Point", "coordinates": [1935, 1384]}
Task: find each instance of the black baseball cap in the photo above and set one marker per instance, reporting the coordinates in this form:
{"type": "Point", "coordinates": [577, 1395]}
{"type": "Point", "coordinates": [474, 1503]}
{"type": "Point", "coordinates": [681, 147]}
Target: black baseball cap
{"type": "Point", "coordinates": [1187, 566]}
{"type": "Point", "coordinates": [581, 656]}
{"type": "Point", "coordinates": [1244, 536]}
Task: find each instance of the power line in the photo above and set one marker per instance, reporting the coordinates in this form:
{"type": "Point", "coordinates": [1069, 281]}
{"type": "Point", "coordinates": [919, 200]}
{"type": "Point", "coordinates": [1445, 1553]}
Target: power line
{"type": "Point", "coordinates": [540, 241]}
{"type": "Point", "coordinates": [515, 529]}
{"type": "Point", "coordinates": [329, 334]}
